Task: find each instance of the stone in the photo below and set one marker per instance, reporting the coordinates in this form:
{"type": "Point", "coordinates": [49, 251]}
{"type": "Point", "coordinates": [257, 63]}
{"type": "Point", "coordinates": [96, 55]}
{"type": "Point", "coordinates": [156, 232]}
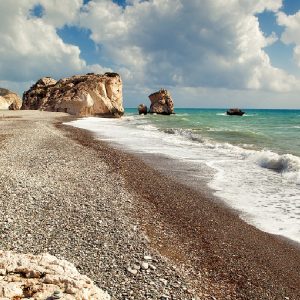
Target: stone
{"type": "Point", "coordinates": [235, 112]}
{"type": "Point", "coordinates": [80, 95]}
{"type": "Point", "coordinates": [147, 257]}
{"type": "Point", "coordinates": [144, 265]}
{"type": "Point", "coordinates": [152, 267]}
{"type": "Point", "coordinates": [161, 103]}
{"type": "Point", "coordinates": [142, 109]}
{"type": "Point", "coordinates": [44, 277]}
{"type": "Point", "coordinates": [132, 271]}
{"type": "Point", "coordinates": [9, 100]}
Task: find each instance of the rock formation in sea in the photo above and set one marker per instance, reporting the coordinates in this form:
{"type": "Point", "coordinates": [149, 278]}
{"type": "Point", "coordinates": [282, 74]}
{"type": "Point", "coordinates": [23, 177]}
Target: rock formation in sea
{"type": "Point", "coordinates": [9, 100]}
{"type": "Point", "coordinates": [44, 277]}
{"type": "Point", "coordinates": [81, 95]}
{"type": "Point", "coordinates": [161, 102]}
{"type": "Point", "coordinates": [142, 109]}
{"type": "Point", "coordinates": [235, 112]}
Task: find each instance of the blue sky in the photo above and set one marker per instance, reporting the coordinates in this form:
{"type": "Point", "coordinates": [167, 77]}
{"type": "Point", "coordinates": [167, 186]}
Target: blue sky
{"type": "Point", "coordinates": [207, 53]}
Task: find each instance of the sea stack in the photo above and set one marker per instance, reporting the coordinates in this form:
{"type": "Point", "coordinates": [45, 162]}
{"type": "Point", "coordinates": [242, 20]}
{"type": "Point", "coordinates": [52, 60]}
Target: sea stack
{"type": "Point", "coordinates": [161, 103]}
{"type": "Point", "coordinates": [235, 112]}
{"type": "Point", "coordinates": [80, 95]}
{"type": "Point", "coordinates": [9, 100]}
{"type": "Point", "coordinates": [142, 109]}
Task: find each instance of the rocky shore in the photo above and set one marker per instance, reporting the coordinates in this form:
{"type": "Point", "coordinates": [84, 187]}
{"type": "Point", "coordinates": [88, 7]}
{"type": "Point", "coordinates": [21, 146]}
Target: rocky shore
{"type": "Point", "coordinates": [137, 233]}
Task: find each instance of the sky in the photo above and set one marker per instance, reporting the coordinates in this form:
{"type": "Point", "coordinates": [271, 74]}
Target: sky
{"type": "Point", "coordinates": [209, 54]}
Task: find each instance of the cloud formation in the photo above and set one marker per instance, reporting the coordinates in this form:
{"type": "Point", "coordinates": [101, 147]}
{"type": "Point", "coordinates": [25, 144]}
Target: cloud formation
{"type": "Point", "coordinates": [291, 33]}
{"type": "Point", "coordinates": [30, 46]}
{"type": "Point", "coordinates": [188, 43]}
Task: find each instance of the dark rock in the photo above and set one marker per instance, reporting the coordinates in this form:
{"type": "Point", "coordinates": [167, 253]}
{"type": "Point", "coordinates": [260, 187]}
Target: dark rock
{"type": "Point", "coordinates": [235, 112]}
{"type": "Point", "coordinates": [161, 103]}
{"type": "Point", "coordinates": [142, 108]}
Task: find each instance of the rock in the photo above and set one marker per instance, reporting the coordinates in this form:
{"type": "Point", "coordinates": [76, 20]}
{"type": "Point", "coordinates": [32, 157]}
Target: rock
{"type": "Point", "coordinates": [161, 103]}
{"type": "Point", "coordinates": [152, 267]}
{"type": "Point", "coordinates": [132, 271]}
{"type": "Point", "coordinates": [81, 95]}
{"type": "Point", "coordinates": [147, 257]}
{"type": "Point", "coordinates": [234, 112]}
{"type": "Point", "coordinates": [142, 108]}
{"type": "Point", "coordinates": [9, 100]}
{"type": "Point", "coordinates": [44, 277]}
{"type": "Point", "coordinates": [144, 265]}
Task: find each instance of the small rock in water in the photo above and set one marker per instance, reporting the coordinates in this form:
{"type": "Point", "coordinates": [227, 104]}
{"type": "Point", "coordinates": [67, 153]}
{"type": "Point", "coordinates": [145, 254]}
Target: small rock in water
{"type": "Point", "coordinates": [147, 257]}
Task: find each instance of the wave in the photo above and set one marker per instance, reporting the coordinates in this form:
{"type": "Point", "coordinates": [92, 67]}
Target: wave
{"type": "Point", "coordinates": [188, 134]}
{"type": "Point", "coordinates": [287, 164]}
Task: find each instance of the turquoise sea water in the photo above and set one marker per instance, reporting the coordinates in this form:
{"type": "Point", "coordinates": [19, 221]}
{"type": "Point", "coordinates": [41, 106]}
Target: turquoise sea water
{"type": "Point", "coordinates": [252, 162]}
{"type": "Point", "coordinates": [277, 130]}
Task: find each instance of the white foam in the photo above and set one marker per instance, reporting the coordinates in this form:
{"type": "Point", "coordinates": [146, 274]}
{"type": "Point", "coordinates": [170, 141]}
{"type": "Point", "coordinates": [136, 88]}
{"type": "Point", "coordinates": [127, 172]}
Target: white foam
{"type": "Point", "coordinates": [263, 185]}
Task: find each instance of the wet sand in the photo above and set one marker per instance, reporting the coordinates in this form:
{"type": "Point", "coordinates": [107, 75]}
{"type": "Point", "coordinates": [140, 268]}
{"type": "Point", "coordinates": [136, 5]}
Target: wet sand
{"type": "Point", "coordinates": [222, 255]}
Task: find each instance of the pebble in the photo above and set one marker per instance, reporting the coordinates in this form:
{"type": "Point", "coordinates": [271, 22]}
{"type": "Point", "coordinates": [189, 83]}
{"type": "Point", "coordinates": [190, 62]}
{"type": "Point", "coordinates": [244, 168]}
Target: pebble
{"type": "Point", "coordinates": [144, 265]}
{"type": "Point", "coordinates": [164, 281]}
{"type": "Point", "coordinates": [132, 271]}
{"type": "Point", "coordinates": [96, 210]}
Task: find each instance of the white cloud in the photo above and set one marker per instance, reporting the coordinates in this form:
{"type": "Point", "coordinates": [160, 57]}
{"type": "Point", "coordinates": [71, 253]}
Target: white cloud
{"type": "Point", "coordinates": [189, 43]}
{"type": "Point", "coordinates": [59, 13]}
{"type": "Point", "coordinates": [291, 34]}
{"type": "Point", "coordinates": [30, 46]}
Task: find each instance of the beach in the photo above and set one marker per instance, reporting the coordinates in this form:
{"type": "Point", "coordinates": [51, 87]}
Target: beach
{"type": "Point", "coordinates": [109, 212]}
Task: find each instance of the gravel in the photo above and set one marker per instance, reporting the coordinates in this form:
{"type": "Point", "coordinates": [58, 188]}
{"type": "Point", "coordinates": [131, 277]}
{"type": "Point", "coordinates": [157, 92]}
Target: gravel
{"type": "Point", "coordinates": [58, 196]}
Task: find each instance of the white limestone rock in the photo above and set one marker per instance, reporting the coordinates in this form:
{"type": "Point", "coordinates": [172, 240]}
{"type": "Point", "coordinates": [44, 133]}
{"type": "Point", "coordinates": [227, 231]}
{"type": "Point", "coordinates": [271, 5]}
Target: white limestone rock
{"type": "Point", "coordinates": [42, 276]}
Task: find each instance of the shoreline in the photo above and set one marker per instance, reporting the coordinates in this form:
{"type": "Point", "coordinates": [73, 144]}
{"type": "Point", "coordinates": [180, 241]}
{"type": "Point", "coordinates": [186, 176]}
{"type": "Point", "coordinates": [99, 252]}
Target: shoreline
{"type": "Point", "coordinates": [62, 177]}
{"type": "Point", "coordinates": [240, 260]}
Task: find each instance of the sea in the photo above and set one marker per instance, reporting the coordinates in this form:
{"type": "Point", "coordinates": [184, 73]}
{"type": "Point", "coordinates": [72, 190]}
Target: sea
{"type": "Point", "coordinates": [251, 162]}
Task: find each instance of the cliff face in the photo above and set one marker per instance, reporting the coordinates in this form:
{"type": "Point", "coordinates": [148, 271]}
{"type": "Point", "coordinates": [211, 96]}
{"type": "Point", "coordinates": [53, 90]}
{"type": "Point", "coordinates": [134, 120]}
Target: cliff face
{"type": "Point", "coordinates": [161, 103]}
{"type": "Point", "coordinates": [9, 100]}
{"type": "Point", "coordinates": [81, 95]}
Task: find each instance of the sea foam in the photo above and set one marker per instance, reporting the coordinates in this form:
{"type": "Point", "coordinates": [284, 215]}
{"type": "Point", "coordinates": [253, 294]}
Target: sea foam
{"type": "Point", "coordinates": [261, 184]}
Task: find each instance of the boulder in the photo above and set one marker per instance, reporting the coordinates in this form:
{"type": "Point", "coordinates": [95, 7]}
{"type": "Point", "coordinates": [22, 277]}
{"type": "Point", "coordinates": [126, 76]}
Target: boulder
{"type": "Point", "coordinates": [161, 103]}
{"type": "Point", "coordinates": [235, 112]}
{"type": "Point", "coordinates": [9, 100]}
{"type": "Point", "coordinates": [44, 277]}
{"type": "Point", "coordinates": [80, 95]}
{"type": "Point", "coordinates": [142, 109]}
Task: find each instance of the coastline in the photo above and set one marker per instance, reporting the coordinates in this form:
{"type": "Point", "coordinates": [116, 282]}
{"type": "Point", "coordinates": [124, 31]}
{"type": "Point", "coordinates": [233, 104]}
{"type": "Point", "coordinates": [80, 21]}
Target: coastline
{"type": "Point", "coordinates": [240, 261]}
{"type": "Point", "coordinates": [196, 241]}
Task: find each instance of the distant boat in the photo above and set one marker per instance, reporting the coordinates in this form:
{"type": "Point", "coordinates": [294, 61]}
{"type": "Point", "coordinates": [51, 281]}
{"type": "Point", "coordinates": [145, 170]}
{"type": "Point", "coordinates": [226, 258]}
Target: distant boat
{"type": "Point", "coordinates": [234, 112]}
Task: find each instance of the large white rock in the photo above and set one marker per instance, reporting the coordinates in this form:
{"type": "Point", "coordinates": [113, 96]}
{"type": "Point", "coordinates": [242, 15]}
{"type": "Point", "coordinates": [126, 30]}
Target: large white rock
{"type": "Point", "coordinates": [9, 100]}
{"type": "Point", "coordinates": [42, 277]}
{"type": "Point", "coordinates": [81, 95]}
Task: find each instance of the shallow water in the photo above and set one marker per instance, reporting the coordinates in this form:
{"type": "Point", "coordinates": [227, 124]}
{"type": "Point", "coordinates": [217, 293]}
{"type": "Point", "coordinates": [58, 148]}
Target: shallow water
{"type": "Point", "coordinates": [256, 157]}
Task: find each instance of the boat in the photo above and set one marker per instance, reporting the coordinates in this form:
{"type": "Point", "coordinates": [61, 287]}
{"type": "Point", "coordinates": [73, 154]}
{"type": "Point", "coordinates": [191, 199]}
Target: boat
{"type": "Point", "coordinates": [235, 112]}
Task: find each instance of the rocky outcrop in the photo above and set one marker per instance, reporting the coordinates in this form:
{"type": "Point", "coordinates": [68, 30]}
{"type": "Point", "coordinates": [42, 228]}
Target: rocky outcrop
{"type": "Point", "coordinates": [44, 277]}
{"type": "Point", "coordinates": [9, 100]}
{"type": "Point", "coordinates": [142, 109]}
{"type": "Point", "coordinates": [161, 103]}
{"type": "Point", "coordinates": [235, 112]}
{"type": "Point", "coordinates": [81, 95]}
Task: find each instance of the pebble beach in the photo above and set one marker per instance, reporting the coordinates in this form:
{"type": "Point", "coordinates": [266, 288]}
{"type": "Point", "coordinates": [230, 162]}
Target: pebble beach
{"type": "Point", "coordinates": [137, 233]}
